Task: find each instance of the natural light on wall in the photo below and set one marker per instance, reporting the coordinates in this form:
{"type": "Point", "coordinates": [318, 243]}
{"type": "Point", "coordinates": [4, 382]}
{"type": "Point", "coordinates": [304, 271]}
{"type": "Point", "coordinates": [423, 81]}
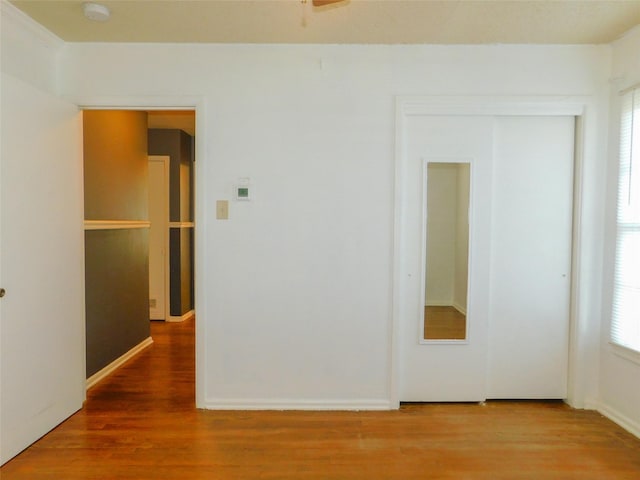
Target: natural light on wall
{"type": "Point", "coordinates": [625, 326]}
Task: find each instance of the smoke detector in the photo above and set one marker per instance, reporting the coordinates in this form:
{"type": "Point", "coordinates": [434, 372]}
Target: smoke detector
{"type": "Point", "coordinates": [96, 12]}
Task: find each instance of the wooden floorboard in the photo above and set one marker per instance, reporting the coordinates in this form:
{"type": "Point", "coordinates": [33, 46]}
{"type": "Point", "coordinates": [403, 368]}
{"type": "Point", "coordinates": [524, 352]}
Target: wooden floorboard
{"type": "Point", "coordinates": [141, 423]}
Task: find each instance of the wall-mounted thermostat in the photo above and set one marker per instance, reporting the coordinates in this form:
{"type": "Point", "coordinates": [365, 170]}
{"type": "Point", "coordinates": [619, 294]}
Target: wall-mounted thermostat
{"type": "Point", "coordinates": [243, 190]}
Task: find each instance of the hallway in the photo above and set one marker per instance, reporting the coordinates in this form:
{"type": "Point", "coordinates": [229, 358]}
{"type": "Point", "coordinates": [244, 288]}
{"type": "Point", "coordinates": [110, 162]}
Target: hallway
{"type": "Point", "coordinates": [140, 423]}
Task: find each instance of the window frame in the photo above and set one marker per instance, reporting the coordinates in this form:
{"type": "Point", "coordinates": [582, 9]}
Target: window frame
{"type": "Point", "coordinates": [624, 333]}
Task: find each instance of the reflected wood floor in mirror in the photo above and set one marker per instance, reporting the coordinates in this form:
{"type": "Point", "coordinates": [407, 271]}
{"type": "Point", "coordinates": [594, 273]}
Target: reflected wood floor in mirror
{"type": "Point", "coordinates": [141, 423]}
{"type": "Point", "coordinates": [444, 323]}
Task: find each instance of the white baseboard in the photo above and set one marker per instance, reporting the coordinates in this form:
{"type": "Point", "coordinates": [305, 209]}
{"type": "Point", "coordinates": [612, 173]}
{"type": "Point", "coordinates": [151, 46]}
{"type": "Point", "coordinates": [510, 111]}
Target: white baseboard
{"type": "Point", "coordinates": [438, 304]}
{"type": "Point", "coordinates": [588, 404]}
{"type": "Point", "coordinates": [460, 308]}
{"type": "Point", "coordinates": [181, 318]}
{"type": "Point", "coordinates": [109, 369]}
{"type": "Point", "coordinates": [625, 422]}
{"type": "Point", "coordinates": [290, 404]}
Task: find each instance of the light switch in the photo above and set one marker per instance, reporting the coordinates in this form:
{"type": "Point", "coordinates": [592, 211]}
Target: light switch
{"type": "Point", "coordinates": [222, 209]}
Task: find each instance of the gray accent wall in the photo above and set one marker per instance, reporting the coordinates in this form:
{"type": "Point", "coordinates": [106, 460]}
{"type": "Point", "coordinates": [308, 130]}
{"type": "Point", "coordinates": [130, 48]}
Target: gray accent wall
{"type": "Point", "coordinates": [117, 306]}
{"type": "Point", "coordinates": [179, 146]}
{"type": "Point", "coordinates": [116, 260]}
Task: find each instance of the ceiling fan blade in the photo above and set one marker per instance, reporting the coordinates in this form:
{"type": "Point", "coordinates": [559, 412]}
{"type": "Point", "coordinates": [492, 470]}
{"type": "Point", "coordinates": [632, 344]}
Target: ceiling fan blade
{"type": "Point", "coordinates": [322, 3]}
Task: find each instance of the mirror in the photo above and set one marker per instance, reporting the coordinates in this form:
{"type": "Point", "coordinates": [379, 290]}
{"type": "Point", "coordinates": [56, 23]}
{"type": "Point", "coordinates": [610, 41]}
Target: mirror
{"type": "Point", "coordinates": [447, 258]}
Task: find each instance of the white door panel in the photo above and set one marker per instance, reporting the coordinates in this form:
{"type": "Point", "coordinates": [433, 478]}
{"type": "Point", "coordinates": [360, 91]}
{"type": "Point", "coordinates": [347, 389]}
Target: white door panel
{"type": "Point", "coordinates": [531, 257]}
{"type": "Point", "coordinates": [445, 371]}
{"type": "Point", "coordinates": [42, 350]}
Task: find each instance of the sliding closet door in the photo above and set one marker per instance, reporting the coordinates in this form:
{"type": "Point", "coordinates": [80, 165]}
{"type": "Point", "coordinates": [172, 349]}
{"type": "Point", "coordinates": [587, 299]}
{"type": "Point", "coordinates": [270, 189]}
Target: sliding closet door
{"type": "Point", "coordinates": [441, 368]}
{"type": "Point", "coordinates": [530, 257]}
{"type": "Point", "coordinates": [516, 338]}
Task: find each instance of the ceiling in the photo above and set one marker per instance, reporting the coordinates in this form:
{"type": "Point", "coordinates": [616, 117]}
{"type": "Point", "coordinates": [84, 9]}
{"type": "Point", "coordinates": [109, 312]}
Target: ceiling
{"type": "Point", "coordinates": [352, 21]}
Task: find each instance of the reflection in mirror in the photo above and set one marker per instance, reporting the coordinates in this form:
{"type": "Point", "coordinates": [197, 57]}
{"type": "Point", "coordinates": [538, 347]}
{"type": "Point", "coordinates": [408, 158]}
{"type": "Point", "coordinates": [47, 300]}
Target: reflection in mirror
{"type": "Point", "coordinates": [445, 311]}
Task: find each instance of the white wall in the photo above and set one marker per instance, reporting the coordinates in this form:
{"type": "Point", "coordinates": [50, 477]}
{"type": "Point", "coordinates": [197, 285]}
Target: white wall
{"type": "Point", "coordinates": [28, 51]}
{"type": "Point", "coordinates": [619, 370]}
{"type": "Point", "coordinates": [294, 290]}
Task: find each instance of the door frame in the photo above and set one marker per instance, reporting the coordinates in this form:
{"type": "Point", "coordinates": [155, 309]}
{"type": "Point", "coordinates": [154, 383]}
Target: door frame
{"type": "Point", "coordinates": [164, 159]}
{"type": "Point", "coordinates": [198, 105]}
{"type": "Point", "coordinates": [584, 290]}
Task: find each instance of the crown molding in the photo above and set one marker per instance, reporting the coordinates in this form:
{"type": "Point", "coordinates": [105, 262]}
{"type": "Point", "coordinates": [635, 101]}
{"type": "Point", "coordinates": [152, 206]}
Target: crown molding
{"type": "Point", "coordinates": [14, 16]}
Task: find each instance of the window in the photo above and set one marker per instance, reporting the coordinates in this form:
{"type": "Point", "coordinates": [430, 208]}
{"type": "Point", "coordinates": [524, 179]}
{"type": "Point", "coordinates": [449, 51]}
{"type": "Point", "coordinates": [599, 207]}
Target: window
{"type": "Point", "coordinates": [625, 327]}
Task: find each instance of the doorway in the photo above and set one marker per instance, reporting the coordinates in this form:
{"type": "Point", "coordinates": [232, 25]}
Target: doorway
{"type": "Point", "coordinates": [520, 251]}
{"type": "Point", "coordinates": [172, 134]}
{"type": "Point", "coordinates": [126, 233]}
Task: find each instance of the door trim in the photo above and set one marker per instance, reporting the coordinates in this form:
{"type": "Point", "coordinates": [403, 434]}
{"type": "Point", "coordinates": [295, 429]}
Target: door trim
{"type": "Point", "coordinates": [196, 103]}
{"type": "Point", "coordinates": [587, 138]}
{"type": "Point", "coordinates": [165, 160]}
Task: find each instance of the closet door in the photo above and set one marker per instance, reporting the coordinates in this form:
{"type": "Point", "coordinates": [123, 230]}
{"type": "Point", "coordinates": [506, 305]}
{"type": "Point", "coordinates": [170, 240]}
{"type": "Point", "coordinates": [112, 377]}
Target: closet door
{"type": "Point", "coordinates": [520, 225]}
{"type": "Point", "coordinates": [440, 368]}
{"type": "Point", "coordinates": [531, 241]}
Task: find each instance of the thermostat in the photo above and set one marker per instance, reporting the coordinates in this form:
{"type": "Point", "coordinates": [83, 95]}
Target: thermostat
{"type": "Point", "coordinates": [243, 192]}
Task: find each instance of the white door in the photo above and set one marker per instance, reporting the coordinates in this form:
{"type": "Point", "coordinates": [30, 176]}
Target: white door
{"type": "Point", "coordinates": [531, 257]}
{"type": "Point", "coordinates": [42, 349]}
{"type": "Point", "coordinates": [516, 345]}
{"type": "Point", "coordinates": [444, 370]}
{"type": "Point", "coordinates": [158, 236]}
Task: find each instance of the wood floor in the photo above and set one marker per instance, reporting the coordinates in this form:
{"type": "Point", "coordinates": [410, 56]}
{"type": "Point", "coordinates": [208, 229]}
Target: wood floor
{"type": "Point", "coordinates": [141, 423]}
{"type": "Point", "coordinates": [444, 323]}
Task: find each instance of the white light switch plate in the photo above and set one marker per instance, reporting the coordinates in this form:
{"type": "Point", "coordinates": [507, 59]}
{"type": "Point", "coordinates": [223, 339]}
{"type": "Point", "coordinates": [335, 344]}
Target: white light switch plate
{"type": "Point", "coordinates": [222, 209]}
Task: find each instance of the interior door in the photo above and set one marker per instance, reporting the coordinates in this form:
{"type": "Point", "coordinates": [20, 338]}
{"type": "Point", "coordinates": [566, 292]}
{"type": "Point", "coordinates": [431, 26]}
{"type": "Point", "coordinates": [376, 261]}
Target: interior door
{"type": "Point", "coordinates": [531, 257]}
{"type": "Point", "coordinates": [42, 351]}
{"type": "Point", "coordinates": [158, 235]}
